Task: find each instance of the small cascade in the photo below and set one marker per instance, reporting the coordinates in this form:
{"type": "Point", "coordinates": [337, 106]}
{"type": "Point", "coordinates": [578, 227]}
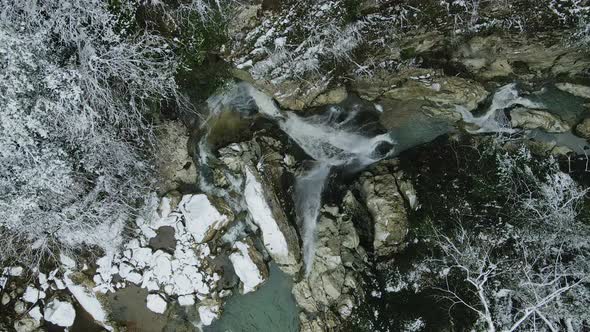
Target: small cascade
{"type": "Point", "coordinates": [334, 138]}
{"type": "Point", "coordinates": [494, 120]}
{"type": "Point", "coordinates": [308, 201]}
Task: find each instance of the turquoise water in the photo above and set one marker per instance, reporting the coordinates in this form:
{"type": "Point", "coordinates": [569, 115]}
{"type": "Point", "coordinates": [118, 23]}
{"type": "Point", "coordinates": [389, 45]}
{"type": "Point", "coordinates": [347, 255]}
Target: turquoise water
{"type": "Point", "coordinates": [270, 308]}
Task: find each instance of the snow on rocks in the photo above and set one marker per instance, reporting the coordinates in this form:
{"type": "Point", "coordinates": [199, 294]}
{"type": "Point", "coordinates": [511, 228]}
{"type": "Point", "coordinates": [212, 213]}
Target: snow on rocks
{"type": "Point", "coordinates": [249, 266]}
{"type": "Point", "coordinates": [33, 294]}
{"type": "Point", "coordinates": [87, 299]}
{"type": "Point", "coordinates": [209, 311]}
{"type": "Point", "coordinates": [186, 270]}
{"type": "Point", "coordinates": [60, 313]}
{"type": "Point", "coordinates": [272, 228]}
{"type": "Point", "coordinates": [203, 219]}
{"type": "Point", "coordinates": [156, 303]}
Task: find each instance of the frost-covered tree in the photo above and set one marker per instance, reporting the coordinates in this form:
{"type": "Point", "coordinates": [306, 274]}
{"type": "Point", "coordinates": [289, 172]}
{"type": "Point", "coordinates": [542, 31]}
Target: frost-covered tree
{"type": "Point", "coordinates": [529, 272]}
{"type": "Point", "coordinates": [74, 139]}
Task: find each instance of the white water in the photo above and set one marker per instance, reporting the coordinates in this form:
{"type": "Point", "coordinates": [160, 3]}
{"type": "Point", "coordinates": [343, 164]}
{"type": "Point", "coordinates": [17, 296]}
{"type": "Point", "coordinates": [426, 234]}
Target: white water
{"type": "Point", "coordinates": [494, 121]}
{"type": "Point", "coordinates": [308, 201]}
{"type": "Point", "coordinates": [332, 139]}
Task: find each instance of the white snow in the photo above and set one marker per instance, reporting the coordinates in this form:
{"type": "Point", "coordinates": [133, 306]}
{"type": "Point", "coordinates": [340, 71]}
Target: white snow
{"type": "Point", "coordinates": [245, 267]}
{"type": "Point", "coordinates": [186, 300]}
{"type": "Point", "coordinates": [88, 301]}
{"type": "Point", "coordinates": [156, 303]}
{"type": "Point", "coordinates": [273, 238]}
{"type": "Point", "coordinates": [60, 313]}
{"type": "Point", "coordinates": [201, 216]}
{"type": "Point", "coordinates": [208, 314]}
{"type": "Point", "coordinates": [15, 271]}
{"type": "Point", "coordinates": [35, 313]}
{"type": "Point", "coordinates": [67, 262]}
{"type": "Point", "coordinates": [33, 294]}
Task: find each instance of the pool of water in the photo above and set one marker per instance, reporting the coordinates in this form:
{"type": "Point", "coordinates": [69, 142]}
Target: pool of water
{"type": "Point", "coordinates": [270, 308]}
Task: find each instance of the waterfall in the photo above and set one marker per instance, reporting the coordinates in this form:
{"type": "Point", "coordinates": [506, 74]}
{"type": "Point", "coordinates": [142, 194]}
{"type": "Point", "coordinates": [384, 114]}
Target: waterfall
{"type": "Point", "coordinates": [308, 201]}
{"type": "Point", "coordinates": [332, 139]}
{"type": "Point", "coordinates": [494, 120]}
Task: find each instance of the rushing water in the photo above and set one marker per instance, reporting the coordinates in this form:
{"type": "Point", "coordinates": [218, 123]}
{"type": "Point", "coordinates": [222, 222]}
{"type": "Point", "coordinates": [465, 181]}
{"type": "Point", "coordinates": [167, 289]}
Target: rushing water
{"type": "Point", "coordinates": [334, 138]}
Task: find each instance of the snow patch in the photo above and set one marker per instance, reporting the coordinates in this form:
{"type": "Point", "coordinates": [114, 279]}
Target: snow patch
{"type": "Point", "coordinates": [245, 268]}
{"type": "Point", "coordinates": [60, 313]}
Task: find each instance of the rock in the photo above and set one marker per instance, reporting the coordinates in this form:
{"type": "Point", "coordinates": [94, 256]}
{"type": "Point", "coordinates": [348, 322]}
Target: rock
{"type": "Point", "coordinates": [267, 173]}
{"type": "Point", "coordinates": [583, 128]}
{"type": "Point", "coordinates": [176, 168]}
{"type": "Point", "coordinates": [60, 313]}
{"type": "Point", "coordinates": [516, 55]}
{"type": "Point", "coordinates": [209, 310]}
{"type": "Point", "coordinates": [5, 299]}
{"type": "Point", "coordinates": [425, 90]}
{"type": "Point", "coordinates": [26, 325]}
{"type": "Point", "coordinates": [249, 265]}
{"type": "Point", "coordinates": [577, 90]}
{"type": "Point", "coordinates": [330, 97]}
{"type": "Point", "coordinates": [386, 204]}
{"type": "Point", "coordinates": [526, 118]}
{"type": "Point", "coordinates": [205, 216]}
{"type": "Point", "coordinates": [332, 287]}
{"type": "Point", "coordinates": [278, 236]}
{"type": "Point", "coordinates": [290, 94]}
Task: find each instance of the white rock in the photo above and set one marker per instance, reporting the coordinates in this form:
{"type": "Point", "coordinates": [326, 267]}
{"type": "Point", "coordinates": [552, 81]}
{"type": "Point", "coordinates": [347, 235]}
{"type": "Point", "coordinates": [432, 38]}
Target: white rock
{"type": "Point", "coordinates": [60, 313]}
{"type": "Point", "coordinates": [156, 303]}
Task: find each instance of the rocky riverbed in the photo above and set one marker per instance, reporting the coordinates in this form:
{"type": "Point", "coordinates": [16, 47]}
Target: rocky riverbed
{"type": "Point", "coordinates": [296, 200]}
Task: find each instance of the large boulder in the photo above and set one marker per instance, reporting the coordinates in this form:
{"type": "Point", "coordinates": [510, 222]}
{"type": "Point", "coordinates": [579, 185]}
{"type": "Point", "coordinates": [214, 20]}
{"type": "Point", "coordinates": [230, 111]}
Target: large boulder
{"type": "Point", "coordinates": [387, 196]}
{"type": "Point", "coordinates": [176, 167]}
{"type": "Point", "coordinates": [426, 90]}
{"type": "Point", "coordinates": [526, 118]}
{"type": "Point", "coordinates": [249, 265]}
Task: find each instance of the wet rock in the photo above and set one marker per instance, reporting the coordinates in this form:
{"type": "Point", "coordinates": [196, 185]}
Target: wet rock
{"type": "Point", "coordinates": [26, 325]}
{"type": "Point", "coordinates": [176, 167]}
{"type": "Point", "coordinates": [526, 118]}
{"type": "Point", "coordinates": [164, 239]}
{"type": "Point", "coordinates": [425, 90]}
{"type": "Point", "coordinates": [385, 201]}
{"type": "Point", "coordinates": [577, 90]}
{"type": "Point", "coordinates": [332, 286]}
{"type": "Point", "coordinates": [583, 128]}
